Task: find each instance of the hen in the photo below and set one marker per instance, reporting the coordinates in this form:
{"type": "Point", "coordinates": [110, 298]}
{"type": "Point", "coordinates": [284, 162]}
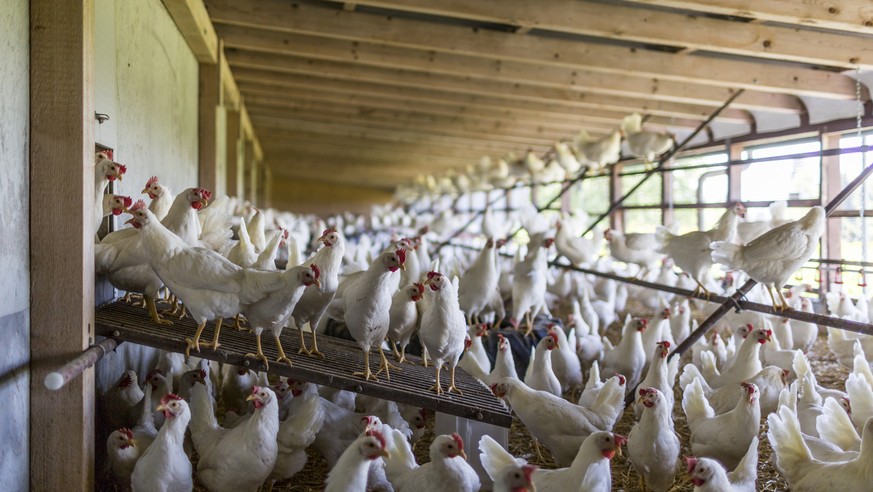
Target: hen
{"type": "Point", "coordinates": [164, 465]}
{"type": "Point", "coordinates": [296, 434]}
{"type": "Point", "coordinates": [350, 472]}
{"type": "Point", "coordinates": [774, 256]}
{"type": "Point", "coordinates": [691, 251]}
{"type": "Point", "coordinates": [514, 478]}
{"type": "Point", "coordinates": [652, 444]}
{"type": "Point", "coordinates": [365, 300]}
{"type": "Point", "coordinates": [635, 248]}
{"type": "Point", "coordinates": [646, 144]}
{"type": "Point", "coordinates": [708, 475]}
{"type": "Point", "coordinates": [746, 364]}
{"type": "Point", "coordinates": [578, 250]}
{"type": "Point", "coordinates": [479, 281]}
{"type": "Point", "coordinates": [590, 465]}
{"type": "Point", "coordinates": [447, 470]}
{"type": "Point", "coordinates": [598, 153]}
{"type": "Point", "coordinates": [240, 458]}
{"type": "Point", "coordinates": [207, 283]}
{"type": "Point", "coordinates": [628, 357]}
{"type": "Point", "coordinates": [725, 437]}
{"type": "Point", "coordinates": [661, 376]}
{"type": "Point", "coordinates": [539, 375]}
{"type": "Point", "coordinates": [559, 425]}
{"type": "Point", "coordinates": [443, 327]}
{"type": "Point", "coordinates": [403, 317]}
{"type": "Point", "coordinates": [105, 170]}
{"type": "Point", "coordinates": [565, 362]}
{"type": "Point", "coordinates": [529, 282]}
{"type": "Point", "coordinates": [161, 197]}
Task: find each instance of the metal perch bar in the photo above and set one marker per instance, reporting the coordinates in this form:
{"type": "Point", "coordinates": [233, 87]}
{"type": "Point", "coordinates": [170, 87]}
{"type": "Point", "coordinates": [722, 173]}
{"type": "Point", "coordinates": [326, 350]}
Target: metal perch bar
{"type": "Point", "coordinates": [57, 379]}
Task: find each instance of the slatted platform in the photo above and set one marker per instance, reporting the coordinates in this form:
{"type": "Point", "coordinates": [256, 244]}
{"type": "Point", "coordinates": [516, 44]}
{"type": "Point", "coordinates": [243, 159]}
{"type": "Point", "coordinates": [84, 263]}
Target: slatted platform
{"type": "Point", "coordinates": [127, 323]}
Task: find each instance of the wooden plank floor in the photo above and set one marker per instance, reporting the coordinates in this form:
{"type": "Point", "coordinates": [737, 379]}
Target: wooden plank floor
{"type": "Point", "coordinates": [409, 386]}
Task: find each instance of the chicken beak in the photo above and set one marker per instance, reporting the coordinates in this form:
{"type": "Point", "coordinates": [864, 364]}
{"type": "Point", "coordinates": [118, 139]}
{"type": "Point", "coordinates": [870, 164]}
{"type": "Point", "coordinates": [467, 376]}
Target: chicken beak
{"type": "Point", "coordinates": [144, 191]}
{"type": "Point", "coordinates": [251, 397]}
{"type": "Point", "coordinates": [463, 454]}
{"type": "Point", "coordinates": [384, 453]}
{"type": "Point", "coordinates": [132, 442]}
{"type": "Point", "coordinates": [204, 202]}
{"type": "Point", "coordinates": [161, 408]}
{"type": "Point", "coordinates": [316, 283]}
{"type": "Point", "coordinates": [403, 266]}
{"type": "Point", "coordinates": [130, 221]}
{"type": "Point", "coordinates": [120, 176]}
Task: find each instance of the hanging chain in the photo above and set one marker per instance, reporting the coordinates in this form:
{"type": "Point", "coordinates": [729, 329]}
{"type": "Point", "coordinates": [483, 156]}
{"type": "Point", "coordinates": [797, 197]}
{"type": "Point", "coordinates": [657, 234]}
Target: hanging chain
{"type": "Point", "coordinates": [858, 122]}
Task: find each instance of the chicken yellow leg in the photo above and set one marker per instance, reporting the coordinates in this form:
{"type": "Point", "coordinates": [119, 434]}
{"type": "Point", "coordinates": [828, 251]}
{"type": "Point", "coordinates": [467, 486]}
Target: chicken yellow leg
{"type": "Point", "coordinates": [385, 365]}
{"type": "Point", "coordinates": [529, 323]}
{"type": "Point", "coordinates": [785, 306]}
{"type": "Point", "coordinates": [195, 343]}
{"type": "Point", "coordinates": [773, 299]}
{"type": "Point", "coordinates": [437, 387]}
{"type": "Point", "coordinates": [303, 349]}
{"type": "Point", "coordinates": [314, 351]}
{"type": "Point", "coordinates": [367, 374]}
{"type": "Point", "coordinates": [153, 312]}
{"type": "Point", "coordinates": [282, 357]}
{"type": "Point", "coordinates": [452, 386]}
{"type": "Point", "coordinates": [214, 343]}
{"type": "Point", "coordinates": [396, 352]}
{"type": "Point", "coordinates": [260, 354]}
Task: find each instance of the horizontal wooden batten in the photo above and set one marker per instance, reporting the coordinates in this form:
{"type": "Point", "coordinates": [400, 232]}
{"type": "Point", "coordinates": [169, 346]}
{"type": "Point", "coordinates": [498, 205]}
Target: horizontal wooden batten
{"type": "Point", "coordinates": [569, 98]}
{"type": "Point", "coordinates": [443, 37]}
{"type": "Point", "coordinates": [629, 23]}
{"type": "Point", "coordinates": [504, 70]}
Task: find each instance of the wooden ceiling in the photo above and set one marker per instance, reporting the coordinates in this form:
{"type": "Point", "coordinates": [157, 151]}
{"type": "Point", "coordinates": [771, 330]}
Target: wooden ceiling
{"type": "Point", "coordinates": [373, 92]}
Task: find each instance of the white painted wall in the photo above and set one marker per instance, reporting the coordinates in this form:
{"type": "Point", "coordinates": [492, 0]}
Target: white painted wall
{"type": "Point", "coordinates": [147, 80]}
{"type": "Point", "coordinates": [14, 244]}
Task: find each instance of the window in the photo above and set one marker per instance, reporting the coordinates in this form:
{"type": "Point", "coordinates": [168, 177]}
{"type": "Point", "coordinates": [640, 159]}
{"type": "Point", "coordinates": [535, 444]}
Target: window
{"type": "Point", "coordinates": [636, 220]}
{"type": "Point", "coordinates": [783, 179]}
{"type": "Point", "coordinates": [851, 165]}
{"type": "Point", "coordinates": [591, 195]}
{"type": "Point", "coordinates": [711, 181]}
{"type": "Point", "coordinates": [647, 194]}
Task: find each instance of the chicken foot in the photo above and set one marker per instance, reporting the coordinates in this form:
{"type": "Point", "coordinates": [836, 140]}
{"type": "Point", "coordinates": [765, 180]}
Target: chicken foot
{"type": "Point", "coordinates": [195, 344]}
{"type": "Point", "coordinates": [238, 322]}
{"type": "Point", "coordinates": [452, 387]}
{"type": "Point", "coordinates": [214, 343]}
{"type": "Point", "coordinates": [367, 374]}
{"type": "Point", "coordinates": [385, 365]}
{"type": "Point", "coordinates": [313, 352]}
{"type": "Point", "coordinates": [437, 387]}
{"type": "Point", "coordinates": [153, 312]}
{"type": "Point", "coordinates": [282, 357]}
{"type": "Point", "coordinates": [529, 323]}
{"type": "Point", "coordinates": [700, 290]}
{"type": "Point", "coordinates": [260, 355]}
{"type": "Point", "coordinates": [396, 352]}
{"type": "Point", "coordinates": [783, 306]}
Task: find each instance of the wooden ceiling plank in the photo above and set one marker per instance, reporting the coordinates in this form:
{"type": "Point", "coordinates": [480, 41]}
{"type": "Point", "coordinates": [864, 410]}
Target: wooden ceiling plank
{"type": "Point", "coordinates": [367, 151]}
{"type": "Point", "coordinates": [615, 21]}
{"type": "Point", "coordinates": [338, 70]}
{"type": "Point", "coordinates": [853, 16]}
{"type": "Point", "coordinates": [304, 18]}
{"type": "Point", "coordinates": [196, 27]}
{"type": "Point", "coordinates": [507, 70]}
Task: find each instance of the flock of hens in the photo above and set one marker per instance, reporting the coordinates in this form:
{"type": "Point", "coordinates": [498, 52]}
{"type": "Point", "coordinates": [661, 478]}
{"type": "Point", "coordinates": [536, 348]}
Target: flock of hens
{"type": "Point", "coordinates": [388, 289]}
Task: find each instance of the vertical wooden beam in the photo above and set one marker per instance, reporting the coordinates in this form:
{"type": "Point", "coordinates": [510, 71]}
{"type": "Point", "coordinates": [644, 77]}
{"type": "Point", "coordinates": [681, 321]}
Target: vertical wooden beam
{"type": "Point", "coordinates": [234, 161]}
{"type": "Point", "coordinates": [249, 172]}
{"type": "Point", "coordinates": [209, 101]}
{"type": "Point", "coordinates": [830, 187]}
{"type": "Point", "coordinates": [62, 272]}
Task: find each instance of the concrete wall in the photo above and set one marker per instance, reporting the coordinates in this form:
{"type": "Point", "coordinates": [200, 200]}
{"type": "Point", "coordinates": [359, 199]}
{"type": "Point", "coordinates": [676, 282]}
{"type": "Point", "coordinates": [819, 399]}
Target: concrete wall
{"type": "Point", "coordinates": [14, 244]}
{"type": "Point", "coordinates": [147, 80]}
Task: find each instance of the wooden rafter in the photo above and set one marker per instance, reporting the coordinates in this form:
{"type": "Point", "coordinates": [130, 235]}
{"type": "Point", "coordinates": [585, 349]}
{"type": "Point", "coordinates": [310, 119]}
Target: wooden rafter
{"type": "Point", "coordinates": [317, 47]}
{"type": "Point", "coordinates": [615, 21]}
{"type": "Point", "coordinates": [193, 22]}
{"type": "Point", "coordinates": [631, 61]}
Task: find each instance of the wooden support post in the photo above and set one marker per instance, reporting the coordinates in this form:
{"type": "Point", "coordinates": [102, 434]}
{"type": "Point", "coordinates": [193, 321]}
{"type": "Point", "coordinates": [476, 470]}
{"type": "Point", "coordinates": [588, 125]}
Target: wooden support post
{"type": "Point", "coordinates": [208, 107]}
{"type": "Point", "coordinates": [830, 187]}
{"type": "Point", "coordinates": [234, 159]}
{"type": "Point", "coordinates": [61, 272]}
{"type": "Point", "coordinates": [250, 172]}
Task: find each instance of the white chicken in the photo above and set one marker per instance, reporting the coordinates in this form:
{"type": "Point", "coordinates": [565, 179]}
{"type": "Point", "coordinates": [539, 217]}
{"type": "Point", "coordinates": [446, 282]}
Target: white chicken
{"type": "Point", "coordinates": [164, 465]}
{"type": "Point", "coordinates": [529, 283]}
{"type": "Point", "coordinates": [598, 153]}
{"type": "Point", "coordinates": [315, 300]}
{"type": "Point", "coordinates": [565, 362]}
{"type": "Point", "coordinates": [774, 256]}
{"type": "Point", "coordinates": [447, 470]}
{"type": "Point", "coordinates": [240, 458]}
{"type": "Point", "coordinates": [515, 478]}
{"type": "Point", "coordinates": [805, 474]}
{"type": "Point", "coordinates": [748, 231]}
{"type": "Point", "coordinates": [708, 475]}
{"type": "Point", "coordinates": [296, 433]}
{"type": "Point", "coordinates": [566, 158]}
{"type": "Point", "coordinates": [504, 362]}
{"type": "Point", "coordinates": [443, 327]}
{"type": "Point", "coordinates": [160, 195]}
{"type": "Point", "coordinates": [652, 444]}
{"type": "Point", "coordinates": [350, 472]}
{"type": "Point", "coordinates": [105, 170]}
{"type": "Point", "coordinates": [559, 425]}
{"type": "Point", "coordinates": [403, 317]}
{"type": "Point", "coordinates": [590, 466]}
{"type": "Point", "coordinates": [579, 250]}
{"type": "Point", "coordinates": [691, 251]}
{"type": "Point", "coordinates": [661, 376]}
{"type": "Point", "coordinates": [479, 282]}
{"type": "Point", "coordinates": [746, 364]}
{"type": "Point", "coordinates": [724, 437]}
{"type": "Point", "coordinates": [539, 375]}
{"type": "Point", "coordinates": [646, 144]}
{"type": "Point", "coordinates": [628, 357]}
{"type": "Point", "coordinates": [635, 248]}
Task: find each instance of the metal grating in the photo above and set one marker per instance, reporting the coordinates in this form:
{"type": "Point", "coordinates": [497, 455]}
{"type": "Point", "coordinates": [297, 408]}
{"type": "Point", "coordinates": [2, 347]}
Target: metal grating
{"type": "Point", "coordinates": [342, 357]}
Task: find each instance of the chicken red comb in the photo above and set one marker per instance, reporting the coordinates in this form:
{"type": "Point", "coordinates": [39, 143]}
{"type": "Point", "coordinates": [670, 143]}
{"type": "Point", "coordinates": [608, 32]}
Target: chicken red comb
{"type": "Point", "coordinates": [528, 472]}
{"type": "Point", "coordinates": [500, 337]}
{"type": "Point", "coordinates": [127, 432]}
{"type": "Point", "coordinates": [285, 233]}
{"type": "Point", "coordinates": [748, 386]}
{"type": "Point", "coordinates": [169, 396]}
{"type": "Point", "coordinates": [468, 342]}
{"type": "Point", "coordinates": [328, 231]}
{"type": "Point", "coordinates": [420, 287]}
{"type": "Point", "coordinates": [315, 270]}
{"type": "Point", "coordinates": [379, 437]}
{"type": "Point", "coordinates": [457, 438]}
{"type": "Point", "coordinates": [127, 201]}
{"type": "Point", "coordinates": [151, 181]}
{"type": "Point", "coordinates": [203, 374]}
{"type": "Point", "coordinates": [204, 193]}
{"type": "Point", "coordinates": [422, 412]}
{"type": "Point", "coordinates": [431, 275]}
{"type": "Point", "coordinates": [255, 389]}
{"type": "Point", "coordinates": [401, 255]}
{"type": "Point", "coordinates": [121, 168]}
{"type": "Point", "coordinates": [126, 381]}
{"type": "Point", "coordinates": [690, 462]}
{"type": "Point", "coordinates": [621, 379]}
{"type": "Point", "coordinates": [664, 343]}
{"type": "Point", "coordinates": [139, 205]}
{"type": "Point", "coordinates": [666, 313]}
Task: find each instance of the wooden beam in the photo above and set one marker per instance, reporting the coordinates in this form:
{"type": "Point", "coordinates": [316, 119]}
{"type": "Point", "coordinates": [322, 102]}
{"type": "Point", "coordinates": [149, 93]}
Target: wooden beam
{"type": "Point", "coordinates": [515, 92]}
{"type": "Point", "coordinates": [853, 16]}
{"type": "Point", "coordinates": [62, 150]}
{"type": "Point", "coordinates": [230, 96]}
{"type": "Point", "coordinates": [630, 23]}
{"type": "Point", "coordinates": [235, 166]}
{"type": "Point", "coordinates": [194, 23]}
{"type": "Point", "coordinates": [356, 129]}
{"type": "Point", "coordinates": [441, 37]}
{"type": "Point", "coordinates": [209, 103]}
{"type": "Point", "coordinates": [428, 61]}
